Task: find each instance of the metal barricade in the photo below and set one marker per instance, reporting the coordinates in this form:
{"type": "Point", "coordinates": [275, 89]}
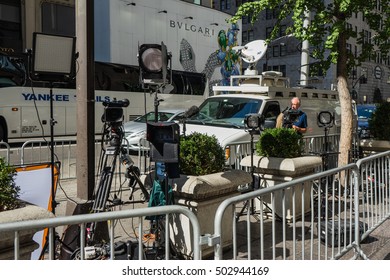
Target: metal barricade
{"type": "Point", "coordinates": [112, 217]}
{"type": "Point", "coordinates": [5, 153]}
{"type": "Point", "coordinates": [314, 217]}
{"type": "Point", "coordinates": [374, 185]}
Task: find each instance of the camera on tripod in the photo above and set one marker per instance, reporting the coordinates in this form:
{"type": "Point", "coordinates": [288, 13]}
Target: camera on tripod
{"type": "Point", "coordinates": [290, 116]}
{"type": "Point", "coordinates": [113, 110]}
{"type": "Point", "coordinates": [113, 119]}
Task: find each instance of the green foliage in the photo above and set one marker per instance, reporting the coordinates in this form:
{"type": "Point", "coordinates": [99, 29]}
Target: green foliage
{"type": "Point", "coordinates": [9, 192]}
{"type": "Point", "coordinates": [201, 154]}
{"type": "Point", "coordinates": [380, 122]}
{"type": "Point", "coordinates": [328, 20]}
{"type": "Point", "coordinates": [279, 142]}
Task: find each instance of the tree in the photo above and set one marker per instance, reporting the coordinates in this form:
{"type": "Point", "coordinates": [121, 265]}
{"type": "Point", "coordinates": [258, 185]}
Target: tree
{"type": "Point", "coordinates": [327, 34]}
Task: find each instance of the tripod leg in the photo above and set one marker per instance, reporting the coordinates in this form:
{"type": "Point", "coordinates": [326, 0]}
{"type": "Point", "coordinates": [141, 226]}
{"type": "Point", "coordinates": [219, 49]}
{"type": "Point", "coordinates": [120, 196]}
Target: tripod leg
{"type": "Point", "coordinates": [104, 186]}
{"type": "Point", "coordinates": [246, 206]}
{"type": "Point", "coordinates": [134, 172]}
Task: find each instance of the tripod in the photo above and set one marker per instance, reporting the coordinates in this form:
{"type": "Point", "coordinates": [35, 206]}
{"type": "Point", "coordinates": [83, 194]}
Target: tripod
{"type": "Point", "coordinates": [113, 152]}
{"type": "Point", "coordinates": [253, 122]}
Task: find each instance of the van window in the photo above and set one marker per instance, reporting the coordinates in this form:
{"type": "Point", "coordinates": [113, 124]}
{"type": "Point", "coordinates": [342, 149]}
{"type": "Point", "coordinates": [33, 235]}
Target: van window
{"type": "Point", "coordinates": [227, 110]}
{"type": "Point", "coordinates": [271, 111]}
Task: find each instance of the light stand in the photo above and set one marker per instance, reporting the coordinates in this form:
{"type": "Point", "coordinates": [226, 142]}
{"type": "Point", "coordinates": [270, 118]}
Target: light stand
{"type": "Point", "coordinates": [253, 123]}
{"type": "Point", "coordinates": [325, 119]}
{"type": "Point", "coordinates": [52, 61]}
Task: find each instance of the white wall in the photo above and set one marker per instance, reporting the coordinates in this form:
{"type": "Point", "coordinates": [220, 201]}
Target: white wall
{"type": "Point", "coordinates": [120, 27]}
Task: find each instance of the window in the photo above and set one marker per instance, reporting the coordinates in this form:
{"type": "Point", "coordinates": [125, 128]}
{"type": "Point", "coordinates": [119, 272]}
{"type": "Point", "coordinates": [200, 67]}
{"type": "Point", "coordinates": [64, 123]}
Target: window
{"type": "Point", "coordinates": [244, 36]}
{"type": "Point", "coordinates": [10, 28]}
{"type": "Point", "coordinates": [228, 4]}
{"type": "Point", "coordinates": [282, 31]}
{"type": "Point", "coordinates": [349, 48]}
{"type": "Point", "coordinates": [283, 49]}
{"type": "Point", "coordinates": [228, 110]}
{"type": "Point", "coordinates": [58, 19]}
{"type": "Point", "coordinates": [250, 35]}
{"type": "Point", "coordinates": [282, 68]}
{"type": "Point", "coordinates": [225, 5]}
{"type": "Point", "coordinates": [275, 51]}
{"type": "Point", "coordinates": [268, 31]}
{"type": "Point", "coordinates": [272, 110]}
{"type": "Point", "coordinates": [10, 13]}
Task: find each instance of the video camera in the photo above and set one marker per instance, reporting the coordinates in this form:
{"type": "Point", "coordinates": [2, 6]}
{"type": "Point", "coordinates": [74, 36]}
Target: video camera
{"type": "Point", "coordinates": [113, 110]}
{"type": "Point", "coordinates": [113, 119]}
{"type": "Point", "coordinates": [290, 116]}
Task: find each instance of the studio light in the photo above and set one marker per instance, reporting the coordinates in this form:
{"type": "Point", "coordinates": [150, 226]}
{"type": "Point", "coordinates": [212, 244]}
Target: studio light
{"type": "Point", "coordinates": [52, 57]}
{"type": "Point", "coordinates": [153, 60]}
{"type": "Point", "coordinates": [325, 119]}
{"type": "Point", "coordinates": [254, 121]}
{"type": "Point", "coordinates": [52, 60]}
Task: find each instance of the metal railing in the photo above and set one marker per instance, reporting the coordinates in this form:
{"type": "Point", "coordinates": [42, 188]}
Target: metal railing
{"type": "Point", "coordinates": [111, 217]}
{"type": "Point", "coordinates": [65, 150]}
{"type": "Point", "coordinates": [320, 216]}
{"type": "Point", "coordinates": [5, 152]}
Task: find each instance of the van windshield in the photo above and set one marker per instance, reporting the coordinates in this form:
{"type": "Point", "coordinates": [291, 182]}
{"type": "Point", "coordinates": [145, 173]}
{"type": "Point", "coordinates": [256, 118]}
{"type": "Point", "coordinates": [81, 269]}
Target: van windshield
{"type": "Point", "coordinates": [226, 111]}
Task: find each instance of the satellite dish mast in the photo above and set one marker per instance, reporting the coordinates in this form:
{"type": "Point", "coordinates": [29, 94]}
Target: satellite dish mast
{"type": "Point", "coordinates": [251, 53]}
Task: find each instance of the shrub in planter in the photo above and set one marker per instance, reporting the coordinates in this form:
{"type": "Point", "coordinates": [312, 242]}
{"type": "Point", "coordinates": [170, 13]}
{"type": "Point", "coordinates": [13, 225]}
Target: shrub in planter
{"type": "Point", "coordinates": [9, 192]}
{"type": "Point", "coordinates": [279, 142]}
{"type": "Point", "coordinates": [200, 154]}
{"type": "Point", "coordinates": [380, 122]}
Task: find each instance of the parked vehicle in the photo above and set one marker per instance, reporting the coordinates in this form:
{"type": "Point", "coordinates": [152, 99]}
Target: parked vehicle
{"type": "Point", "coordinates": [136, 130]}
{"type": "Point", "coordinates": [268, 94]}
{"type": "Point", "coordinates": [364, 112]}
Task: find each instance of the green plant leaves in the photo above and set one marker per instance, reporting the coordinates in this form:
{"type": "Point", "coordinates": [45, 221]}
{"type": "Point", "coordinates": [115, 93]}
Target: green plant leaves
{"type": "Point", "coordinates": [200, 154]}
{"type": "Point", "coordinates": [279, 142]}
{"type": "Point", "coordinates": [9, 192]}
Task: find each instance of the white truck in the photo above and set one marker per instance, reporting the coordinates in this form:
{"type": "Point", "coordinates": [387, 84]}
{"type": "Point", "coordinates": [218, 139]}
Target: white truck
{"type": "Point", "coordinates": [268, 94]}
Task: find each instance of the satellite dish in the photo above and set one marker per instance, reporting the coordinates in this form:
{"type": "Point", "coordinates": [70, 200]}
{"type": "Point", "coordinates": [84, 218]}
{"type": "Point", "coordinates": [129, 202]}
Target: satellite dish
{"type": "Point", "coordinates": [253, 51]}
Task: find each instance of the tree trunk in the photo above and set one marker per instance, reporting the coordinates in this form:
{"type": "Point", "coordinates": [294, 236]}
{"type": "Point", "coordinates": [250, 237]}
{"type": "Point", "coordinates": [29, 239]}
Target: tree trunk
{"type": "Point", "coordinates": [346, 121]}
{"type": "Point", "coordinates": [345, 100]}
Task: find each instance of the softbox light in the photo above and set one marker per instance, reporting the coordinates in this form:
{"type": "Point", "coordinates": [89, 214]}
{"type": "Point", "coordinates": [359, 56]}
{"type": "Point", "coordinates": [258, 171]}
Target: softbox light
{"type": "Point", "coordinates": [254, 121]}
{"type": "Point", "coordinates": [53, 57]}
{"type": "Point", "coordinates": [325, 119]}
{"type": "Point", "coordinates": [153, 62]}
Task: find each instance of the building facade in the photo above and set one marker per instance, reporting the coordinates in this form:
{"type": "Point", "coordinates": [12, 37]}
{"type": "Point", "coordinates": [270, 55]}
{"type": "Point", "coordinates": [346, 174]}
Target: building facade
{"type": "Point", "coordinates": [191, 30]}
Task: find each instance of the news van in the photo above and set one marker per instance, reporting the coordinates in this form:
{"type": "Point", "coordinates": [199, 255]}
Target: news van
{"type": "Point", "coordinates": [268, 94]}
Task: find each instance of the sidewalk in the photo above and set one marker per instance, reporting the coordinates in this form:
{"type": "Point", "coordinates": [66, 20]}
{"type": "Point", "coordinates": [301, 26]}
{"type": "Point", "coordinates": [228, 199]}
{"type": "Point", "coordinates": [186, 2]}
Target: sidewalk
{"type": "Point", "coordinates": [375, 247]}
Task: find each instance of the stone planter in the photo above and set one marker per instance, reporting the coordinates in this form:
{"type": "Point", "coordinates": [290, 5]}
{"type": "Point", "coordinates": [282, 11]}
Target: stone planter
{"type": "Point", "coordinates": [272, 171]}
{"type": "Point", "coordinates": [203, 195]}
{"type": "Point", "coordinates": [27, 244]}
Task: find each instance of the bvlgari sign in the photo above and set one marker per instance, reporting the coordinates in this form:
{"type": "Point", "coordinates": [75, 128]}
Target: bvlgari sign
{"type": "Point", "coordinates": [208, 32]}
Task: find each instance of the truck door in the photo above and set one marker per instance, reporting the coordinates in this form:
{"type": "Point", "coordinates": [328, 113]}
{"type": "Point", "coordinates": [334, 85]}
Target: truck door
{"type": "Point", "coordinates": [270, 113]}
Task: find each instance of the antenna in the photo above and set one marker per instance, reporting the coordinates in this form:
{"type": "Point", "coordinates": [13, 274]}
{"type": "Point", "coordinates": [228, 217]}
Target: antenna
{"type": "Point", "coordinates": [251, 53]}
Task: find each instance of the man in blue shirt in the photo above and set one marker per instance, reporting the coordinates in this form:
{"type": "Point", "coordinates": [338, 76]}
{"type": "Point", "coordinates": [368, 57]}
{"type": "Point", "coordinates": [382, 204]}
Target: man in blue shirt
{"type": "Point", "coordinates": [300, 125]}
